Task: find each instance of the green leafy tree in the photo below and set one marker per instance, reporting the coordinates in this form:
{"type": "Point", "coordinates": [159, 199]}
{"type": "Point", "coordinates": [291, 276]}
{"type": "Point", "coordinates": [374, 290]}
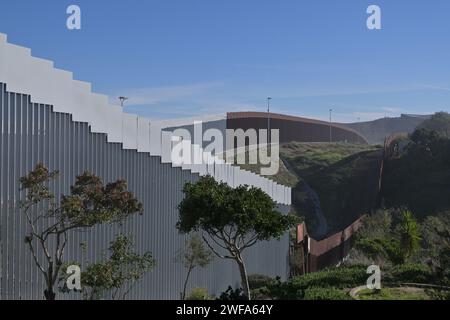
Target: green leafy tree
{"type": "Point", "coordinates": [195, 255]}
{"type": "Point", "coordinates": [439, 122]}
{"type": "Point", "coordinates": [425, 140]}
{"type": "Point", "coordinates": [117, 275]}
{"type": "Point", "coordinates": [50, 221]}
{"type": "Point", "coordinates": [233, 219]}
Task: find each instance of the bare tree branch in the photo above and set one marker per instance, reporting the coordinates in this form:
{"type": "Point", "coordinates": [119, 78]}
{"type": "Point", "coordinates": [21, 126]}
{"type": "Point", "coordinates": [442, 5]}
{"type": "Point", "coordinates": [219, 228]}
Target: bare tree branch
{"type": "Point", "coordinates": [35, 258]}
{"type": "Point", "coordinates": [214, 250]}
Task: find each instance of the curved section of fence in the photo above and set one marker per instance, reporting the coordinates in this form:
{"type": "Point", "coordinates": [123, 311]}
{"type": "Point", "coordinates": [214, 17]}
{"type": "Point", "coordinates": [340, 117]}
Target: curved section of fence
{"type": "Point", "coordinates": [294, 128]}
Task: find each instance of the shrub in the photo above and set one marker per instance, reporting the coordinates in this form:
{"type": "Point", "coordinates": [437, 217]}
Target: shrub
{"type": "Point", "coordinates": [372, 248]}
{"type": "Point", "coordinates": [436, 294]}
{"type": "Point", "coordinates": [334, 277]}
{"type": "Point", "coordinates": [257, 281]}
{"type": "Point", "coordinates": [316, 293]}
{"type": "Point", "coordinates": [261, 294]}
{"type": "Point", "coordinates": [230, 294]}
{"type": "Point", "coordinates": [413, 273]}
{"type": "Point", "coordinates": [199, 294]}
{"type": "Point", "coordinates": [339, 278]}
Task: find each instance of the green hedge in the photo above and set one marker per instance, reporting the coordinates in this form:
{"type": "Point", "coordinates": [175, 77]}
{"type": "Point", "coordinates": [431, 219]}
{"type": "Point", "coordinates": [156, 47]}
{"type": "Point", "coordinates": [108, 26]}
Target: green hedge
{"type": "Point", "coordinates": [257, 281]}
{"type": "Point", "coordinates": [344, 277]}
{"type": "Point", "coordinates": [338, 278]}
{"type": "Point", "coordinates": [315, 293]}
{"type": "Point", "coordinates": [412, 273]}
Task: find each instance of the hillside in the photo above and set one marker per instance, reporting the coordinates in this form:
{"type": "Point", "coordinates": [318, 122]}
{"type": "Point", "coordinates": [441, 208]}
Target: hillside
{"type": "Point", "coordinates": [375, 131]}
{"type": "Point", "coordinates": [337, 183]}
{"type": "Point", "coordinates": [284, 176]}
{"type": "Point", "coordinates": [332, 184]}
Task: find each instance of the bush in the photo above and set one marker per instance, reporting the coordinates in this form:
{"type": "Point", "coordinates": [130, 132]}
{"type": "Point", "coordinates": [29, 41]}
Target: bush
{"type": "Point", "coordinates": [372, 248]}
{"type": "Point", "coordinates": [316, 293]}
{"type": "Point", "coordinates": [199, 294]}
{"type": "Point", "coordinates": [413, 273]}
{"type": "Point", "coordinates": [436, 294]}
{"type": "Point", "coordinates": [339, 278]}
{"type": "Point", "coordinates": [261, 294]}
{"type": "Point", "coordinates": [233, 295]}
{"type": "Point", "coordinates": [257, 281]}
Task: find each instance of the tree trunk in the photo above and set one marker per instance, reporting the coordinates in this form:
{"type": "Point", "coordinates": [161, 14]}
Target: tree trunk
{"type": "Point", "coordinates": [183, 296]}
{"type": "Point", "coordinates": [49, 294]}
{"type": "Point", "coordinates": [244, 278]}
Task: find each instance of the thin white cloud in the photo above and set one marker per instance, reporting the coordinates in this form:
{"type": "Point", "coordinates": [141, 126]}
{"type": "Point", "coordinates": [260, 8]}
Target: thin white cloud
{"type": "Point", "coordinates": [392, 110]}
{"type": "Point", "coordinates": [433, 87]}
{"type": "Point", "coordinates": [215, 98]}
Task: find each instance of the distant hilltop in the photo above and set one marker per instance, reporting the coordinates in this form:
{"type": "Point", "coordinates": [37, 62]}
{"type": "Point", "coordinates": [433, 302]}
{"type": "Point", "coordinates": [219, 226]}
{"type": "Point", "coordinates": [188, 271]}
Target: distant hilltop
{"type": "Point", "coordinates": [375, 131]}
{"type": "Point", "coordinates": [420, 116]}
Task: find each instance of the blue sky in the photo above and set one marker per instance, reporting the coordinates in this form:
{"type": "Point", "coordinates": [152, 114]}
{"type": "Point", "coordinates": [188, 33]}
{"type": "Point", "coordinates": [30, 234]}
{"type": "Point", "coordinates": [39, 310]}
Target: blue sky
{"type": "Point", "coordinates": [189, 57]}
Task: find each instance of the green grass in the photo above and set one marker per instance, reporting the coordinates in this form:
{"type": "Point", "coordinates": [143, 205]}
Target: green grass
{"type": "Point", "coordinates": [401, 293]}
{"type": "Point", "coordinates": [306, 158]}
{"type": "Point", "coordinates": [309, 158]}
{"type": "Point", "coordinates": [283, 177]}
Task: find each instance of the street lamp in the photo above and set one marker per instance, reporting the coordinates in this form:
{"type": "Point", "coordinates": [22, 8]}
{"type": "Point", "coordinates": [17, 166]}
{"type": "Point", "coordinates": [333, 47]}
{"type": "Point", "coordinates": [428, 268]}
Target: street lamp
{"type": "Point", "coordinates": [122, 100]}
{"type": "Point", "coordinates": [331, 136]}
{"type": "Point", "coordinates": [268, 119]}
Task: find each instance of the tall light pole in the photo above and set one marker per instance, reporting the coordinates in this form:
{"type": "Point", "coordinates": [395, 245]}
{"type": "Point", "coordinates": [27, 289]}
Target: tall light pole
{"type": "Point", "coordinates": [331, 136]}
{"type": "Point", "coordinates": [268, 119]}
{"type": "Point", "coordinates": [122, 100]}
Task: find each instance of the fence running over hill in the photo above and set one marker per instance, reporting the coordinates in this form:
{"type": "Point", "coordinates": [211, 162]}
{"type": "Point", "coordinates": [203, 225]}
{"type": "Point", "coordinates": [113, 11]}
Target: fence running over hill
{"type": "Point", "coordinates": [315, 255]}
{"type": "Point", "coordinates": [390, 144]}
{"type": "Point", "coordinates": [47, 116]}
{"type": "Point", "coordinates": [294, 128]}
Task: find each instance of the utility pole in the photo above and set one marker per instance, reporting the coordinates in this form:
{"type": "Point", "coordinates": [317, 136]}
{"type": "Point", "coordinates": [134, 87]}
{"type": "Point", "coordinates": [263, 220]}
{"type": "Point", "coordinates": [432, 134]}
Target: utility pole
{"type": "Point", "coordinates": [268, 120]}
{"type": "Point", "coordinates": [331, 136]}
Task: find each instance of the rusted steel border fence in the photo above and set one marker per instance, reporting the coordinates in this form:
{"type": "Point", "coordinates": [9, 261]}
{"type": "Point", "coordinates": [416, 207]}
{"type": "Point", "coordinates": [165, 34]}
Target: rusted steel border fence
{"type": "Point", "coordinates": [316, 255]}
